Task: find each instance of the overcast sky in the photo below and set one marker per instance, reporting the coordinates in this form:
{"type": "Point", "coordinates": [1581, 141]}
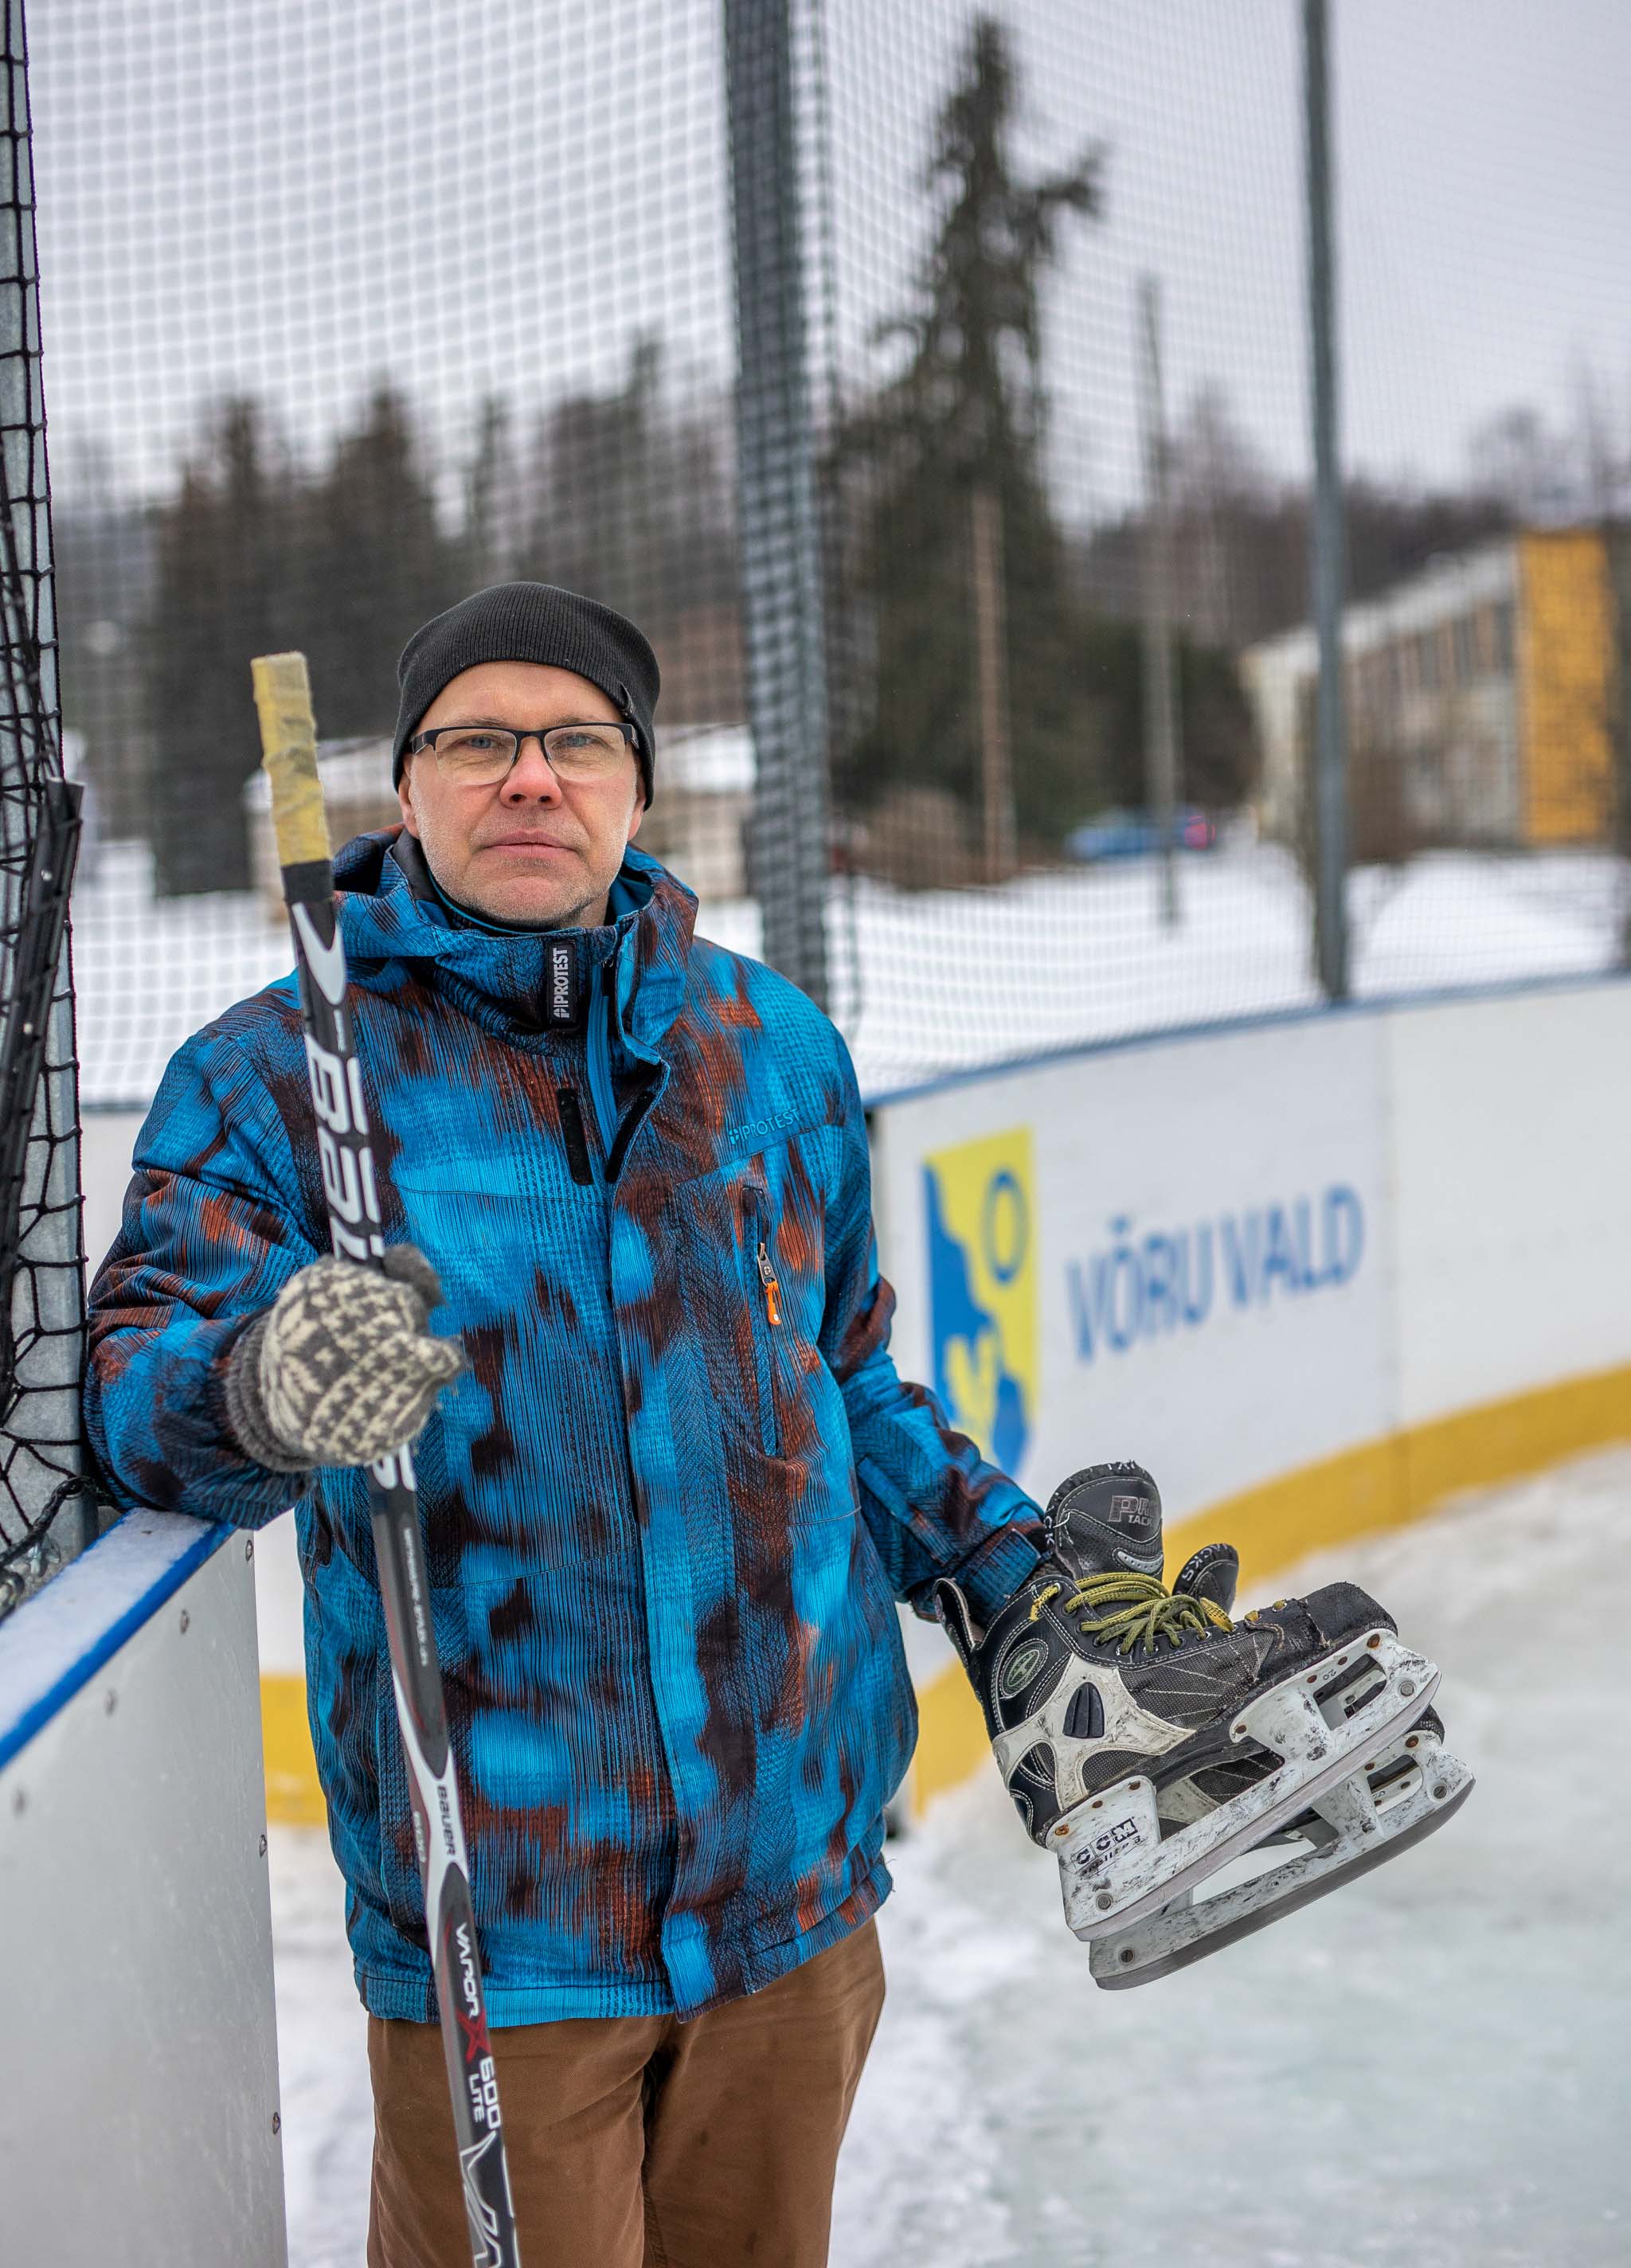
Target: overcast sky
{"type": "Point", "coordinates": [496, 194]}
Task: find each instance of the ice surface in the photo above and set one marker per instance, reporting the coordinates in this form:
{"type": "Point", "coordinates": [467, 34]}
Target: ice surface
{"type": "Point", "coordinates": [1060, 958]}
{"type": "Point", "coordinates": [1427, 2068]}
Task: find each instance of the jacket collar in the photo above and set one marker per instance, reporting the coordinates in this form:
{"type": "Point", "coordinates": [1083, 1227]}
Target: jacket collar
{"type": "Point", "coordinates": [497, 977]}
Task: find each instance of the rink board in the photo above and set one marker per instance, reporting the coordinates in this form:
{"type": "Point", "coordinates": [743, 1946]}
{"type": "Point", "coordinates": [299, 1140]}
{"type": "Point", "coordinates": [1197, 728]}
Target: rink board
{"type": "Point", "coordinates": [1417, 1227]}
{"type": "Point", "coordinates": [138, 2059]}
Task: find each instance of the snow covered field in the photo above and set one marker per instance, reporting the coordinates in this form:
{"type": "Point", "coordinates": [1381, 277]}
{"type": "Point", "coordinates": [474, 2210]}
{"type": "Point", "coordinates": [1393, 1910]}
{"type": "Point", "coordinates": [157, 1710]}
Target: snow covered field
{"type": "Point", "coordinates": [944, 980]}
{"type": "Point", "coordinates": [1428, 2068]}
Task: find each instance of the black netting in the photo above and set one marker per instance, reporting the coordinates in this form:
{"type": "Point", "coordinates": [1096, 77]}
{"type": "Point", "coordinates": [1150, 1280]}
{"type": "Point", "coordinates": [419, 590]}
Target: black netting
{"type": "Point", "coordinates": [932, 384]}
{"type": "Point", "coordinates": [41, 1257]}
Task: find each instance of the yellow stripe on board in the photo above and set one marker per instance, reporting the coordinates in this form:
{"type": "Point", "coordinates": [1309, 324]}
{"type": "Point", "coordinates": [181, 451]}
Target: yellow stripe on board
{"type": "Point", "coordinates": [1383, 1484]}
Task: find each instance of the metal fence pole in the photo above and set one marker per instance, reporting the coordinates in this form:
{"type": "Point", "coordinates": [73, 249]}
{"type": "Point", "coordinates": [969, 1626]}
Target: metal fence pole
{"type": "Point", "coordinates": [1161, 703]}
{"type": "Point", "coordinates": [778, 512]}
{"type": "Point", "coordinates": [1329, 542]}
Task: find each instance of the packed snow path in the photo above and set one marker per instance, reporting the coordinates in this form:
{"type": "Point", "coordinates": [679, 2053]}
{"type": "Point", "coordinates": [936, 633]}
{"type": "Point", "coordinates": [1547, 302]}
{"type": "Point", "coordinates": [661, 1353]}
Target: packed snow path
{"type": "Point", "coordinates": [1428, 2067]}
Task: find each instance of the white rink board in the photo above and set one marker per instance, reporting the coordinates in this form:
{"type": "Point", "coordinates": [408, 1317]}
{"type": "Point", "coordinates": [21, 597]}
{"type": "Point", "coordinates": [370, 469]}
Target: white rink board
{"type": "Point", "coordinates": [138, 2062]}
{"type": "Point", "coordinates": [1480, 1142]}
{"type": "Point", "coordinates": [1262, 1149]}
{"type": "Point", "coordinates": [1510, 1120]}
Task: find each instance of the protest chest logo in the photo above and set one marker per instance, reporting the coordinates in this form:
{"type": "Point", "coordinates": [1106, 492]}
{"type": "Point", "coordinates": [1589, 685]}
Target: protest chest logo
{"type": "Point", "coordinates": [979, 1217]}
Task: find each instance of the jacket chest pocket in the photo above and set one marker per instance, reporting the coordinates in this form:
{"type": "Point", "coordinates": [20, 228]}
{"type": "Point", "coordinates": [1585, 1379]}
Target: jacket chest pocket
{"type": "Point", "coordinates": [754, 1295]}
{"type": "Point", "coordinates": [763, 1291]}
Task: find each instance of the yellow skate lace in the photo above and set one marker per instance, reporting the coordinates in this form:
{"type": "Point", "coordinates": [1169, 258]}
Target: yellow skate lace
{"type": "Point", "coordinates": [1148, 1614]}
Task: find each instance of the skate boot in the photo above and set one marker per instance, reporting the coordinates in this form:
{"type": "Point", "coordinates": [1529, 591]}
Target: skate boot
{"type": "Point", "coordinates": [1407, 1792]}
{"type": "Point", "coordinates": [1112, 1704]}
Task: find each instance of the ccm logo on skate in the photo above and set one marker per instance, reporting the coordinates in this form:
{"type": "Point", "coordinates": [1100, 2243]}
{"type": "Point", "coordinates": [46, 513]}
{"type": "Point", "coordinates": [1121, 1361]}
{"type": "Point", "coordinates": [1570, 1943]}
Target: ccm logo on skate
{"type": "Point", "coordinates": [1103, 1847]}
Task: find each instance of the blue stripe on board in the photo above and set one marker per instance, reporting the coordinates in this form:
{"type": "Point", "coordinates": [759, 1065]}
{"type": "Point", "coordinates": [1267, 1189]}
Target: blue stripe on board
{"type": "Point", "coordinates": [182, 1563]}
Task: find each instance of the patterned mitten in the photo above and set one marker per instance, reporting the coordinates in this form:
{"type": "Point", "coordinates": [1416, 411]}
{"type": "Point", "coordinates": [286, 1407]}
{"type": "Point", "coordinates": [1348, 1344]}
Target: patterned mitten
{"type": "Point", "coordinates": [342, 1368]}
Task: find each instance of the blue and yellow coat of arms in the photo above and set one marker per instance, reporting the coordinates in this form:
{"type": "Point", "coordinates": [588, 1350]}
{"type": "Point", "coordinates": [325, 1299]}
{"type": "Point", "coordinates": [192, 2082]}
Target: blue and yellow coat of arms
{"type": "Point", "coordinates": [980, 1224]}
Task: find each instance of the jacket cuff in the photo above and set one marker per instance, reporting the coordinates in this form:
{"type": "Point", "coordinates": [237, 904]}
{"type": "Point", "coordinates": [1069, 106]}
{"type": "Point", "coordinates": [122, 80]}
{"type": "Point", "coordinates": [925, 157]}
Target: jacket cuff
{"type": "Point", "coordinates": [994, 1572]}
{"type": "Point", "coordinates": [243, 1412]}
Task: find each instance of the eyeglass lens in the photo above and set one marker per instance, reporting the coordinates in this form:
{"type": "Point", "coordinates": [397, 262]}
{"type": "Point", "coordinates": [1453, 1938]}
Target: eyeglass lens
{"type": "Point", "coordinates": [480, 754]}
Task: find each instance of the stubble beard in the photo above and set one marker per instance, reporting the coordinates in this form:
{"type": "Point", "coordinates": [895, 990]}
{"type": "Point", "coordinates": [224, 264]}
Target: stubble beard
{"type": "Point", "coordinates": [515, 902]}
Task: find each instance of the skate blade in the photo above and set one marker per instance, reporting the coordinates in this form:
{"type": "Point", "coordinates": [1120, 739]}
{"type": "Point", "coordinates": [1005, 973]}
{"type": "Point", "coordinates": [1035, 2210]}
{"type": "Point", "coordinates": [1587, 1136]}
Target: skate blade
{"type": "Point", "coordinates": [1192, 1928]}
{"type": "Point", "coordinates": [1116, 1867]}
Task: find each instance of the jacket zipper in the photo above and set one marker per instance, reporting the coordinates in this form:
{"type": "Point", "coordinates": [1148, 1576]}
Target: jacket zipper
{"type": "Point", "coordinates": [598, 1052]}
{"type": "Point", "coordinates": [765, 1302]}
{"type": "Point", "coordinates": [614, 1139]}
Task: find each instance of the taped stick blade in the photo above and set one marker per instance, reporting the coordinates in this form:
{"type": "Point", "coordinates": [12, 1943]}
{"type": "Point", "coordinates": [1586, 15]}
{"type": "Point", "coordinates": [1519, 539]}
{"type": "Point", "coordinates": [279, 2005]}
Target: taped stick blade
{"type": "Point", "coordinates": [283, 700]}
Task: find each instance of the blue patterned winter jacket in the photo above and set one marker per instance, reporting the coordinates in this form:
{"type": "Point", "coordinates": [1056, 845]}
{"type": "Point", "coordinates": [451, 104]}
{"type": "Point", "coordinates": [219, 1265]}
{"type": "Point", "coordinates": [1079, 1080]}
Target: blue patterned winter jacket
{"type": "Point", "coordinates": [665, 1530]}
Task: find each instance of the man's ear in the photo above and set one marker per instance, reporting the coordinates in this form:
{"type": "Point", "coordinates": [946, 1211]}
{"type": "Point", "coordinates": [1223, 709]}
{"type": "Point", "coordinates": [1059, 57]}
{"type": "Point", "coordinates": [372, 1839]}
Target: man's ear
{"type": "Point", "coordinates": [404, 796]}
{"type": "Point", "coordinates": [639, 814]}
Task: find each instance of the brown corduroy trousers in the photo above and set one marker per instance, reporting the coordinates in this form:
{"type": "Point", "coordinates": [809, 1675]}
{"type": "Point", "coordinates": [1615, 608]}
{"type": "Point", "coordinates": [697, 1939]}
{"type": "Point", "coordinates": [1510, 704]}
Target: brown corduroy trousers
{"type": "Point", "coordinates": [641, 2141]}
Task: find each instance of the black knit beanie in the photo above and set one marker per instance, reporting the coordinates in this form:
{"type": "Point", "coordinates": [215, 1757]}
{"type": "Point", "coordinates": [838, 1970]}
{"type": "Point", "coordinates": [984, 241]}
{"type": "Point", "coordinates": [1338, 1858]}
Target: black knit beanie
{"type": "Point", "coordinates": [531, 621]}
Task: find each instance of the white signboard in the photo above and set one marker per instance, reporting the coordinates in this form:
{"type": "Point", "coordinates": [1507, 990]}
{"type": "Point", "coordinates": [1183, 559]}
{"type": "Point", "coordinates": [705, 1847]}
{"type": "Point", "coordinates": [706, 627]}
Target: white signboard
{"type": "Point", "coordinates": [1175, 1253]}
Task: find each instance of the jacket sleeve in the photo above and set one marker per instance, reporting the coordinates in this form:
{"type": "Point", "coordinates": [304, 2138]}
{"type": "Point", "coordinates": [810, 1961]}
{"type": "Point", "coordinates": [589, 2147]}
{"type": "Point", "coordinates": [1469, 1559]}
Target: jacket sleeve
{"type": "Point", "coordinates": [213, 1227]}
{"type": "Point", "coordinates": [933, 1504]}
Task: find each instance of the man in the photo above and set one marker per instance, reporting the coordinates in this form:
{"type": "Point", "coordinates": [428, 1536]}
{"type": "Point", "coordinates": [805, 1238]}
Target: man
{"type": "Point", "coordinates": [672, 1485]}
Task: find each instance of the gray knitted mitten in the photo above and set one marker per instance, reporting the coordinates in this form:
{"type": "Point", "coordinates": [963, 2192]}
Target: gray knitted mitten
{"type": "Point", "coordinates": [341, 1369]}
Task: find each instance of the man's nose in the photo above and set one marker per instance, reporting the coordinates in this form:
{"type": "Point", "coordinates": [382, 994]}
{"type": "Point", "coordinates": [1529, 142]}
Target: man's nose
{"type": "Point", "coordinates": [530, 778]}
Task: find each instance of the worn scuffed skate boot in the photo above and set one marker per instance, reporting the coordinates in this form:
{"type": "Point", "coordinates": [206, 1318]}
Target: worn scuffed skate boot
{"type": "Point", "coordinates": [1105, 1695]}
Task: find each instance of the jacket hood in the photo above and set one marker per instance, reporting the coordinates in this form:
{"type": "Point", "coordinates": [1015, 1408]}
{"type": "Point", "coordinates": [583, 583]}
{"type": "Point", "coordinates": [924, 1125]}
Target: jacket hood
{"type": "Point", "coordinates": [498, 976]}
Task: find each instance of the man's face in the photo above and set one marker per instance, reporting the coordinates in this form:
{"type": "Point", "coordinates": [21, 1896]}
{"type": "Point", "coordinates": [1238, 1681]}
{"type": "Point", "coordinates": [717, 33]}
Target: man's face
{"type": "Point", "coordinates": [528, 847]}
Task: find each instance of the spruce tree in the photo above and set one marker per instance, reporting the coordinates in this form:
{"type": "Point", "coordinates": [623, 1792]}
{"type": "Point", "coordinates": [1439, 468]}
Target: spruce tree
{"type": "Point", "coordinates": [222, 546]}
{"type": "Point", "coordinates": [968, 409]}
{"type": "Point", "coordinates": [370, 565]}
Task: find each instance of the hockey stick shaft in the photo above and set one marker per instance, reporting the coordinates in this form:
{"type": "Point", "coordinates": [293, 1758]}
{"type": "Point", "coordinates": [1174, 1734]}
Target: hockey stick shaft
{"type": "Point", "coordinates": [352, 1189]}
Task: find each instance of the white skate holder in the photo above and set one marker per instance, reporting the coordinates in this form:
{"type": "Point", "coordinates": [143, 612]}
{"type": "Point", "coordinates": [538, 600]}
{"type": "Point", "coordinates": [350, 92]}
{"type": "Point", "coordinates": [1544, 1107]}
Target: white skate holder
{"type": "Point", "coordinates": [1115, 1866]}
{"type": "Point", "coordinates": [1422, 1787]}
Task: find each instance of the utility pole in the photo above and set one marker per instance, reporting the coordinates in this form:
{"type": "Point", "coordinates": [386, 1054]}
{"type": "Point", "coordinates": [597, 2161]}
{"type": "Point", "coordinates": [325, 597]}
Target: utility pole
{"type": "Point", "coordinates": [1161, 706]}
{"type": "Point", "coordinates": [1329, 538]}
{"type": "Point", "coordinates": [990, 640]}
{"type": "Point", "coordinates": [777, 498]}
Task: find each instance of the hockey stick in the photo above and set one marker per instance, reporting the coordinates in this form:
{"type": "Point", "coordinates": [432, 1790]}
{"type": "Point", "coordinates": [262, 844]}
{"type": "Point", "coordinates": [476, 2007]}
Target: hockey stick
{"type": "Point", "coordinates": [351, 1187]}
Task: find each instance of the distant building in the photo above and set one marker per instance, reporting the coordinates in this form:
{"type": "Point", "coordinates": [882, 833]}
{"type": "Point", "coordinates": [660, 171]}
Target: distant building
{"type": "Point", "coordinates": [697, 823]}
{"type": "Point", "coordinates": [1483, 700]}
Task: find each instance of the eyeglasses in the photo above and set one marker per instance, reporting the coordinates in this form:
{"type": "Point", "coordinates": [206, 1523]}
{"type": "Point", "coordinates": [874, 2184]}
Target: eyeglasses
{"type": "Point", "coordinates": [477, 755]}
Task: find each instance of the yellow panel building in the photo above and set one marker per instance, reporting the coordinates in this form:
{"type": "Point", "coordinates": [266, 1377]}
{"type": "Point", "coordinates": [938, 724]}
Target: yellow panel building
{"type": "Point", "coordinates": [1484, 700]}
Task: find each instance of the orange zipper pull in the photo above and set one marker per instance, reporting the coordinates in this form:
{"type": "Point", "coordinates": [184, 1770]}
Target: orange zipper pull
{"type": "Point", "coordinates": [773, 1289]}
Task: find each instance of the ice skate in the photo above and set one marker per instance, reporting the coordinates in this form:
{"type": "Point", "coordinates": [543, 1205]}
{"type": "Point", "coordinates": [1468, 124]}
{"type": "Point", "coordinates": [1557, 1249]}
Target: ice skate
{"type": "Point", "coordinates": [1404, 1793]}
{"type": "Point", "coordinates": [1396, 1800]}
{"type": "Point", "coordinates": [1149, 1742]}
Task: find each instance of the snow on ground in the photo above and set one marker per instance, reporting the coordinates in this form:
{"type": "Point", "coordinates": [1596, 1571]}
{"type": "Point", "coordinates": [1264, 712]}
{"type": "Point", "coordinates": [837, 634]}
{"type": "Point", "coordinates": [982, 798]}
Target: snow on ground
{"type": "Point", "coordinates": [1426, 2068]}
{"type": "Point", "coordinates": [942, 980]}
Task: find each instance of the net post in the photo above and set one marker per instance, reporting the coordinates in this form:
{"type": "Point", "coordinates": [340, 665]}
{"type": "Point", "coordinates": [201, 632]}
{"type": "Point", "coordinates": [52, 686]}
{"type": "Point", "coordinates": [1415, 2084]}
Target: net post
{"type": "Point", "coordinates": [1160, 685]}
{"type": "Point", "coordinates": [778, 519]}
{"type": "Point", "coordinates": [41, 1455]}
